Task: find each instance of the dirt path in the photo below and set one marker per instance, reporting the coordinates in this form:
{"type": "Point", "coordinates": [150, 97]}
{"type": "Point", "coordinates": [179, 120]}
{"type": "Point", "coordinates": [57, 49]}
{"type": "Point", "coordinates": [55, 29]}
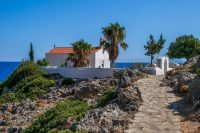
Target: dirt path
{"type": "Point", "coordinates": [157, 114]}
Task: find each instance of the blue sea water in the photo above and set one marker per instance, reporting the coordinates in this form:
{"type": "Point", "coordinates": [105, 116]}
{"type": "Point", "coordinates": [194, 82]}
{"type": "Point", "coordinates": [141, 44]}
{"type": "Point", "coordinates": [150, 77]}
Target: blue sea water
{"type": "Point", "coordinates": [6, 68]}
{"type": "Point", "coordinates": [126, 65]}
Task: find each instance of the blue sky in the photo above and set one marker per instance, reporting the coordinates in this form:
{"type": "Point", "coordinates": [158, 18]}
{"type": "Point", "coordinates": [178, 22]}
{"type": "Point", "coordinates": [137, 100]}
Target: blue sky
{"type": "Point", "coordinates": [61, 22]}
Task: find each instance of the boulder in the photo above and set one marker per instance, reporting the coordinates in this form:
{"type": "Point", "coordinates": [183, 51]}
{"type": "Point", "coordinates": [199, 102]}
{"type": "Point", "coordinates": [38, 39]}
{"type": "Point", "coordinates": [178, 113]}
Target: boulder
{"type": "Point", "coordinates": [3, 122]}
{"type": "Point", "coordinates": [191, 62]}
{"type": "Point", "coordinates": [93, 88]}
{"type": "Point", "coordinates": [198, 63]}
{"type": "Point", "coordinates": [12, 130]}
{"type": "Point", "coordinates": [185, 89]}
{"type": "Point", "coordinates": [124, 81]}
{"type": "Point", "coordinates": [176, 81]}
{"type": "Point", "coordinates": [117, 130]}
{"type": "Point", "coordinates": [105, 119]}
{"type": "Point", "coordinates": [195, 89]}
{"type": "Point", "coordinates": [88, 90]}
{"type": "Point", "coordinates": [128, 76]}
{"type": "Point", "coordinates": [129, 98]}
{"type": "Point", "coordinates": [170, 74]}
{"type": "Point", "coordinates": [126, 72]}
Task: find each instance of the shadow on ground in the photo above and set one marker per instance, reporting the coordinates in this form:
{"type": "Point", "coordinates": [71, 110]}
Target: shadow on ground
{"type": "Point", "coordinates": [181, 106]}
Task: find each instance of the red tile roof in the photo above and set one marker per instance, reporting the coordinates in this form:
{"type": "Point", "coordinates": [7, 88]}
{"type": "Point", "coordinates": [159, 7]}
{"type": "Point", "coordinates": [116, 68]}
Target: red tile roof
{"type": "Point", "coordinates": [68, 50]}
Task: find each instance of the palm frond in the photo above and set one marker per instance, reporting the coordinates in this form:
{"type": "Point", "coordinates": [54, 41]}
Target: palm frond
{"type": "Point", "coordinates": [124, 45]}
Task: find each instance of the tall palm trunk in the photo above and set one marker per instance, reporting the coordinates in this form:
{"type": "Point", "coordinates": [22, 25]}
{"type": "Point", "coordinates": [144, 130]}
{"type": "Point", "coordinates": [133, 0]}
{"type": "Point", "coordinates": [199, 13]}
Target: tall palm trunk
{"type": "Point", "coordinates": [112, 64]}
{"type": "Point", "coordinates": [152, 57]}
{"type": "Point", "coordinates": [113, 55]}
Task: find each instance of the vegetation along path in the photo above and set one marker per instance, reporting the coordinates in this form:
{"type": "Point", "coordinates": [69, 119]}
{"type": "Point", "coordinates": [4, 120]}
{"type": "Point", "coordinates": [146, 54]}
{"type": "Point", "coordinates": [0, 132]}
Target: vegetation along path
{"type": "Point", "coordinates": [158, 112]}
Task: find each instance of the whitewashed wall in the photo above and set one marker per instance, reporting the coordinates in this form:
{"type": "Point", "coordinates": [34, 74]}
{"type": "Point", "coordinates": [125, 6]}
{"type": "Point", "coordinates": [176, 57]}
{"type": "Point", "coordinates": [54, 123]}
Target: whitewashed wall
{"type": "Point", "coordinates": [100, 57]}
{"type": "Point", "coordinates": [83, 73]}
{"type": "Point", "coordinates": [92, 60]}
{"type": "Point", "coordinates": [56, 59]}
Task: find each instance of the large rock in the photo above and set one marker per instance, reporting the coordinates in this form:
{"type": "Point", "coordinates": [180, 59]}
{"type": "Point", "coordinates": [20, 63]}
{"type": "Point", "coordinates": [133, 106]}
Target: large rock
{"type": "Point", "coordinates": [87, 90]}
{"type": "Point", "coordinates": [177, 80]}
{"type": "Point", "coordinates": [192, 62]}
{"type": "Point", "coordinates": [92, 88]}
{"type": "Point", "coordinates": [129, 98]}
{"type": "Point", "coordinates": [133, 73]}
{"type": "Point", "coordinates": [105, 119]}
{"type": "Point", "coordinates": [198, 63]}
{"type": "Point", "coordinates": [194, 91]}
{"type": "Point", "coordinates": [128, 77]}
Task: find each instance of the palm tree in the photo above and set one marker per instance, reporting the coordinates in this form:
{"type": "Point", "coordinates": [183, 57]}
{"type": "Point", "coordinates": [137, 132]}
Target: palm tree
{"type": "Point", "coordinates": [82, 51]}
{"type": "Point", "coordinates": [73, 58]}
{"type": "Point", "coordinates": [114, 36]}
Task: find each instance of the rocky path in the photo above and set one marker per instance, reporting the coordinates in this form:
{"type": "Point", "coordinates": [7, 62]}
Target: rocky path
{"type": "Point", "coordinates": [157, 114]}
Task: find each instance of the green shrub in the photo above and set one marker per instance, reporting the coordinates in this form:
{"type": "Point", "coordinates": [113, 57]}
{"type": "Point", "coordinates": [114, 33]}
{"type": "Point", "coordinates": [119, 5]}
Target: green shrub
{"type": "Point", "coordinates": [109, 95]}
{"type": "Point", "coordinates": [9, 97]}
{"type": "Point", "coordinates": [67, 131]}
{"type": "Point", "coordinates": [81, 131]}
{"type": "Point", "coordinates": [55, 117]}
{"type": "Point", "coordinates": [24, 81]}
{"type": "Point", "coordinates": [68, 81]}
{"type": "Point", "coordinates": [29, 82]}
{"type": "Point", "coordinates": [40, 82]}
{"type": "Point", "coordinates": [1, 87]}
{"type": "Point", "coordinates": [33, 88]}
{"type": "Point", "coordinates": [42, 62]}
{"type": "Point", "coordinates": [60, 131]}
{"type": "Point", "coordinates": [26, 69]}
{"type": "Point", "coordinates": [198, 71]}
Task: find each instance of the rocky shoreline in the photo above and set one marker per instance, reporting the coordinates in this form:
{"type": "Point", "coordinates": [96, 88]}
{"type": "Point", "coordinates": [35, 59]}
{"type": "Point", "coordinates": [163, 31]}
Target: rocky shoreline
{"type": "Point", "coordinates": [115, 116]}
{"type": "Point", "coordinates": [113, 101]}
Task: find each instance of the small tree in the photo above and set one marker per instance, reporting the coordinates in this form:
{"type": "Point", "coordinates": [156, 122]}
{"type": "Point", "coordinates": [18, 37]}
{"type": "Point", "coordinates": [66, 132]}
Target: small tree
{"type": "Point", "coordinates": [154, 47]}
{"type": "Point", "coordinates": [42, 62]}
{"type": "Point", "coordinates": [31, 52]}
{"type": "Point", "coordinates": [185, 46]}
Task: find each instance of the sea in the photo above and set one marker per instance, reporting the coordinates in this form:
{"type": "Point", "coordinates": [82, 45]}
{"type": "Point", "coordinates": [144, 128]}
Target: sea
{"type": "Point", "coordinates": [6, 68]}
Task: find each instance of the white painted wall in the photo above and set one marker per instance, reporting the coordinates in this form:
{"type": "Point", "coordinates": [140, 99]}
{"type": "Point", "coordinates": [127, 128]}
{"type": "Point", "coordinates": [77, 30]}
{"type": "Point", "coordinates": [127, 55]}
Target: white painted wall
{"type": "Point", "coordinates": [163, 64]}
{"type": "Point", "coordinates": [92, 60]}
{"type": "Point", "coordinates": [102, 57]}
{"type": "Point", "coordinates": [56, 59]}
{"type": "Point", "coordinates": [83, 73]}
{"type": "Point", "coordinates": [161, 69]}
